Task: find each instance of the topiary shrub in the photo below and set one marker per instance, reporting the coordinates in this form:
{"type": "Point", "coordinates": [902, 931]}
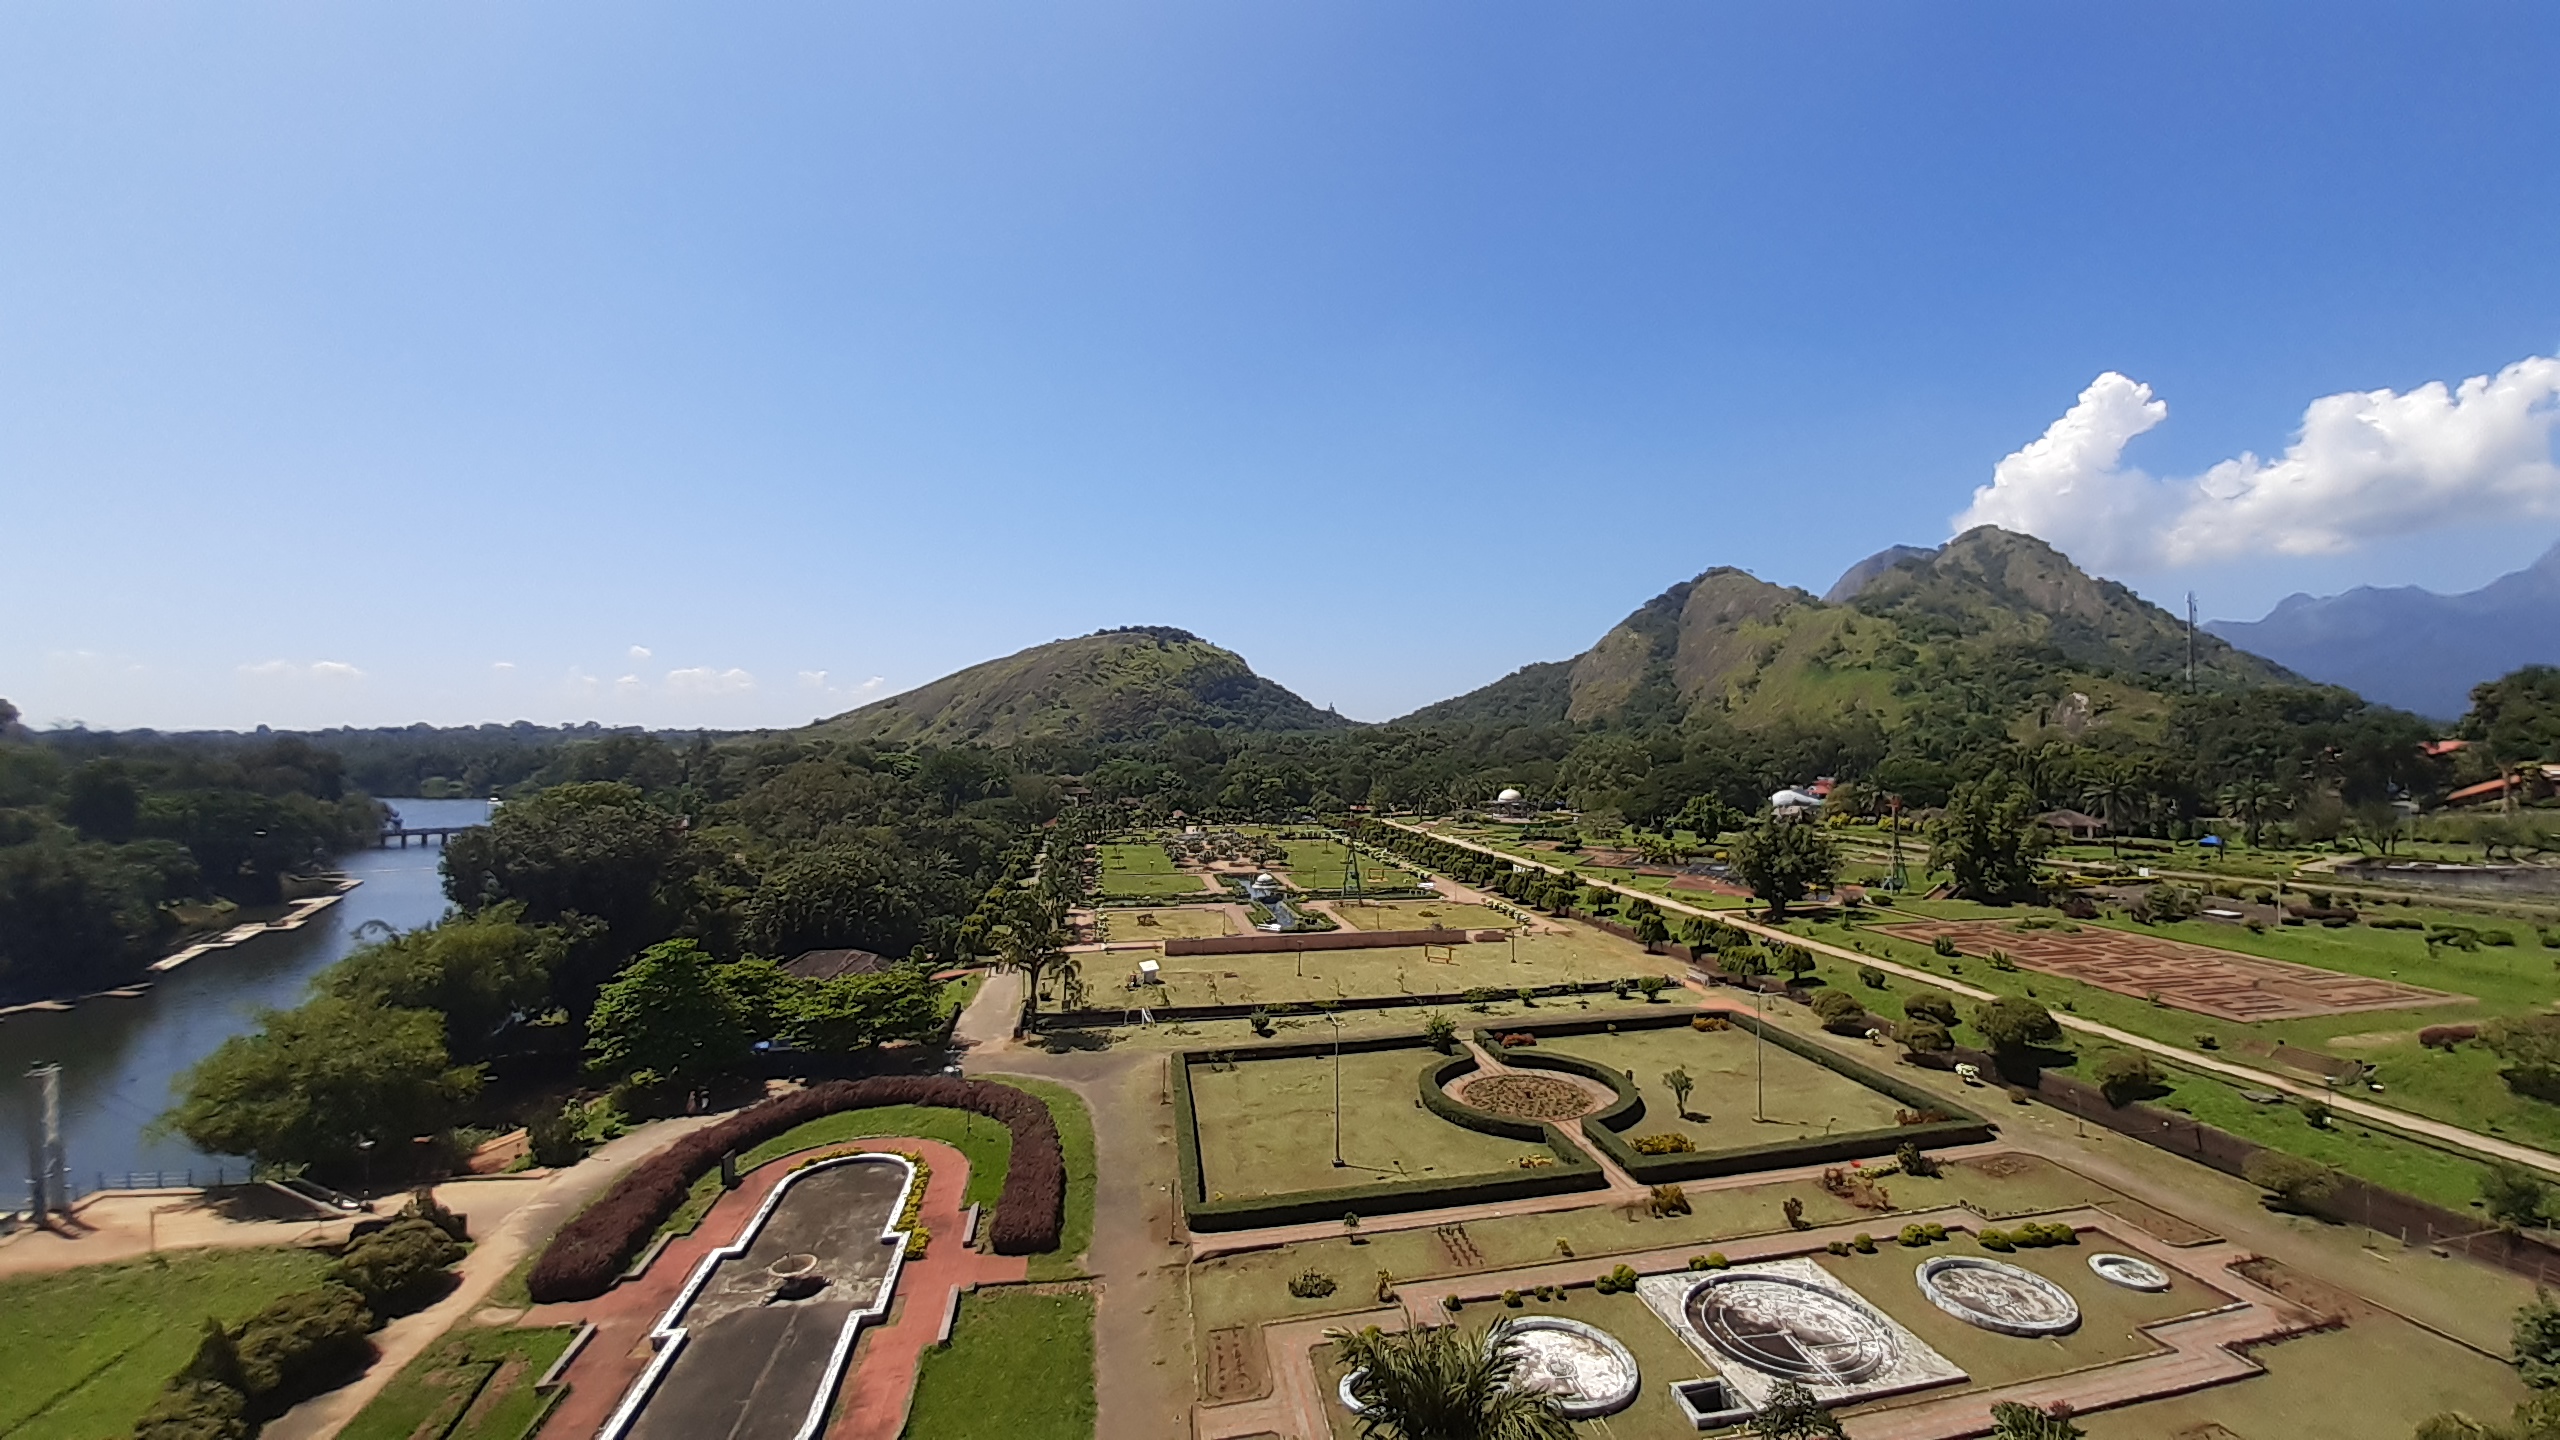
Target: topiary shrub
{"type": "Point", "coordinates": [304, 1343]}
{"type": "Point", "coordinates": [1311, 1285]}
{"type": "Point", "coordinates": [399, 1269]}
{"type": "Point", "coordinates": [591, 1251]}
{"type": "Point", "coordinates": [1668, 1143]}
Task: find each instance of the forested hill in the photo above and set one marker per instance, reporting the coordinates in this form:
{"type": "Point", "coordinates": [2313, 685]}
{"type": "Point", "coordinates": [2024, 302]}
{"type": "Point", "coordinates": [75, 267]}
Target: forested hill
{"type": "Point", "coordinates": [1994, 623]}
{"type": "Point", "coordinates": [111, 846]}
{"type": "Point", "coordinates": [1113, 685]}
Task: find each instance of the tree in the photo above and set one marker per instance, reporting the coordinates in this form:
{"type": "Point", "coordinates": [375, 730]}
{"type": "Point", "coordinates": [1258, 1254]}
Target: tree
{"type": "Point", "coordinates": [316, 1084]}
{"type": "Point", "coordinates": [2300, 1184]}
{"type": "Point", "coordinates": [1030, 936]}
{"type": "Point", "coordinates": [1445, 1383]}
{"type": "Point", "coordinates": [1679, 1083]}
{"type": "Point", "coordinates": [852, 1012]}
{"type": "Point", "coordinates": [852, 894]}
{"type": "Point", "coordinates": [1988, 839]}
{"type": "Point", "coordinates": [2112, 791]}
{"type": "Point", "coordinates": [2537, 1341]}
{"type": "Point", "coordinates": [666, 1020]}
{"type": "Point", "coordinates": [595, 848]}
{"type": "Point", "coordinates": [1792, 1413]}
{"type": "Point", "coordinates": [2011, 1420]}
{"type": "Point", "coordinates": [1930, 1006]}
{"type": "Point", "coordinates": [1783, 861]}
{"type": "Point", "coordinates": [481, 972]}
{"type": "Point", "coordinates": [2514, 1196]}
{"type": "Point", "coordinates": [2252, 801]}
{"type": "Point", "coordinates": [2125, 1076]}
{"type": "Point", "coordinates": [1840, 1012]}
{"type": "Point", "coordinates": [2014, 1024]}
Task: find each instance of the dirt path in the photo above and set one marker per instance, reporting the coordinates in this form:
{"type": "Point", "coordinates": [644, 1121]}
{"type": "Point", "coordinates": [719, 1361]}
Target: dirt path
{"type": "Point", "coordinates": [1142, 1318]}
{"type": "Point", "coordinates": [2401, 1120]}
{"type": "Point", "coordinates": [526, 1227]}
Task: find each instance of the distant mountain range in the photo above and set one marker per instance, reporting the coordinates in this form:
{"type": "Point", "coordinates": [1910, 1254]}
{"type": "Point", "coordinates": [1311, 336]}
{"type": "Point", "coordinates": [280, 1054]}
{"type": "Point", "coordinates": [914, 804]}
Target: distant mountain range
{"type": "Point", "coordinates": [1762, 653]}
{"type": "Point", "coordinates": [2414, 648]}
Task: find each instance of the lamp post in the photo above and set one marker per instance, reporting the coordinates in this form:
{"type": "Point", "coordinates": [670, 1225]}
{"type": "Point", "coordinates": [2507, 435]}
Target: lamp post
{"type": "Point", "coordinates": [1337, 1088]}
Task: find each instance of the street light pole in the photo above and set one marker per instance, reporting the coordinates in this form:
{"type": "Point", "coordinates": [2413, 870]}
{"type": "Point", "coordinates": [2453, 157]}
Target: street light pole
{"type": "Point", "coordinates": [1337, 1089]}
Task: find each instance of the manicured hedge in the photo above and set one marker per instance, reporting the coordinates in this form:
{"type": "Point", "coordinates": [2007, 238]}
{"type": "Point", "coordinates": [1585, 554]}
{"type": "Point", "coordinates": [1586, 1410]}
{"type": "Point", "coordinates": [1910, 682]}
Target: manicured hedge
{"type": "Point", "coordinates": [1960, 1128]}
{"type": "Point", "coordinates": [1572, 1170]}
{"type": "Point", "coordinates": [589, 1253]}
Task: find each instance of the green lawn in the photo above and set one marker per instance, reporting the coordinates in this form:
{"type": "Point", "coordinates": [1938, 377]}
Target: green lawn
{"type": "Point", "coordinates": [2460, 1086]}
{"type": "Point", "coordinates": [1802, 1099]}
{"type": "Point", "coordinates": [1321, 865]}
{"type": "Point", "coordinates": [474, 1384]}
{"type": "Point", "coordinates": [1422, 915]}
{"type": "Point", "coordinates": [1143, 872]}
{"type": "Point", "coordinates": [1202, 922]}
{"type": "Point", "coordinates": [1075, 1142]}
{"type": "Point", "coordinates": [83, 1352]}
{"type": "Point", "coordinates": [1318, 976]}
{"type": "Point", "coordinates": [1019, 1367]}
{"type": "Point", "coordinates": [986, 1142]}
{"type": "Point", "coordinates": [1266, 1126]}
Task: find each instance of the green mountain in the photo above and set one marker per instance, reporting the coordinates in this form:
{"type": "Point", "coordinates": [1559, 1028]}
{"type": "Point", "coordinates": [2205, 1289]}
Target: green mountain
{"type": "Point", "coordinates": [1991, 623]}
{"type": "Point", "coordinates": [1125, 684]}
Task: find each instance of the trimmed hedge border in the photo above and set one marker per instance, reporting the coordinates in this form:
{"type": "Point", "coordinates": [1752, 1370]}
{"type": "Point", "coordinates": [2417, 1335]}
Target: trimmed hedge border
{"type": "Point", "coordinates": [1962, 1128]}
{"type": "Point", "coordinates": [1620, 1113]}
{"type": "Point", "coordinates": [1573, 1169]}
{"type": "Point", "coordinates": [591, 1251]}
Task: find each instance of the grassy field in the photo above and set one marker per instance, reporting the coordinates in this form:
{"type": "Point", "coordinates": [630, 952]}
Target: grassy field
{"type": "Point", "coordinates": [1422, 915]}
{"type": "Point", "coordinates": [1143, 872]}
{"type": "Point", "coordinates": [1321, 865]}
{"type": "Point", "coordinates": [475, 1384]}
{"type": "Point", "coordinates": [2460, 1086]}
{"type": "Point", "coordinates": [2383, 1371]}
{"type": "Point", "coordinates": [1317, 976]}
{"type": "Point", "coordinates": [1075, 1142]}
{"type": "Point", "coordinates": [1803, 1099]}
{"type": "Point", "coordinates": [1266, 1126]}
{"type": "Point", "coordinates": [986, 1142]}
{"type": "Point", "coordinates": [83, 1352]}
{"type": "Point", "coordinates": [1019, 1367]}
{"type": "Point", "coordinates": [1198, 922]}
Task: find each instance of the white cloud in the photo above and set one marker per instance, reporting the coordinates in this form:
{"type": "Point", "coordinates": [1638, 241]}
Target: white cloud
{"type": "Point", "coordinates": [337, 670]}
{"type": "Point", "coordinates": [639, 653]}
{"type": "Point", "coordinates": [502, 666]}
{"type": "Point", "coordinates": [704, 680]}
{"type": "Point", "coordinates": [2365, 465]}
{"type": "Point", "coordinates": [816, 681]}
{"type": "Point", "coordinates": [630, 686]}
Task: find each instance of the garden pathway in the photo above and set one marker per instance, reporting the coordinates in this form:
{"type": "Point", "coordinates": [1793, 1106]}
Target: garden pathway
{"type": "Point", "coordinates": [495, 1255]}
{"type": "Point", "coordinates": [2401, 1120]}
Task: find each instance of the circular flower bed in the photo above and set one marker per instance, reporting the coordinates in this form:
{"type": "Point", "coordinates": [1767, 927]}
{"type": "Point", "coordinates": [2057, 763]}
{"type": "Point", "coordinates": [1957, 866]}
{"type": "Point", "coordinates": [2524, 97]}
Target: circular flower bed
{"type": "Point", "coordinates": [1529, 1097]}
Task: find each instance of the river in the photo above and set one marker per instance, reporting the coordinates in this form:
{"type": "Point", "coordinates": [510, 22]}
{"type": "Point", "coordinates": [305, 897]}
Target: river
{"type": "Point", "coordinates": [119, 1058]}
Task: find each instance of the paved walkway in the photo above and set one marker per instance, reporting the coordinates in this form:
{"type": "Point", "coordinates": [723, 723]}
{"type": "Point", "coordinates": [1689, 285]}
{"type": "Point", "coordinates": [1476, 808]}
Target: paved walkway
{"type": "Point", "coordinates": [526, 1227]}
{"type": "Point", "coordinates": [2402, 1120]}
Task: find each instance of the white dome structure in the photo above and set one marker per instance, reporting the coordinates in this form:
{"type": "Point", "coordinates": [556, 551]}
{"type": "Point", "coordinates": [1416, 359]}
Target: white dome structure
{"type": "Point", "coordinates": [1507, 797]}
{"type": "Point", "coordinates": [1791, 799]}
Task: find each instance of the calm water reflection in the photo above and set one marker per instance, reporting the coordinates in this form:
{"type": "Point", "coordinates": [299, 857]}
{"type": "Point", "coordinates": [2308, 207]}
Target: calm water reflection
{"type": "Point", "coordinates": [120, 1057]}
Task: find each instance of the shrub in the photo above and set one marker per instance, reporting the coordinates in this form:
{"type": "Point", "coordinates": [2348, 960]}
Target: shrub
{"type": "Point", "coordinates": [1945, 945]}
{"type": "Point", "coordinates": [1668, 1143]}
{"type": "Point", "coordinates": [1840, 1012]}
{"type": "Point", "coordinates": [1704, 1023]}
{"type": "Point", "coordinates": [1794, 1210]}
{"type": "Point", "coordinates": [1836, 1247]}
{"type": "Point", "coordinates": [1934, 1230]}
{"type": "Point", "coordinates": [1863, 1243]}
{"type": "Point", "coordinates": [1932, 1007]}
{"type": "Point", "coordinates": [1914, 1160]}
{"type": "Point", "coordinates": [1926, 1037]}
{"type": "Point", "coordinates": [592, 1249]}
{"type": "Point", "coordinates": [1511, 1298]}
{"type": "Point", "coordinates": [1440, 1030]}
{"type": "Point", "coordinates": [1619, 1281]}
{"type": "Point", "coordinates": [2014, 1023]}
{"type": "Point", "coordinates": [1871, 977]}
{"type": "Point", "coordinates": [2445, 1037]}
{"type": "Point", "coordinates": [1993, 1239]}
{"type": "Point", "coordinates": [398, 1269]}
{"type": "Point", "coordinates": [1311, 1285]}
{"type": "Point", "coordinates": [1452, 1304]}
{"type": "Point", "coordinates": [1668, 1200]}
{"type": "Point", "coordinates": [1260, 1020]}
{"type": "Point", "coordinates": [555, 1138]}
{"type": "Point", "coordinates": [2315, 1113]}
{"type": "Point", "coordinates": [1652, 986]}
{"type": "Point", "coordinates": [1518, 1039]}
{"type": "Point", "coordinates": [423, 1205]}
{"type": "Point", "coordinates": [304, 1343]}
{"type": "Point", "coordinates": [1913, 1236]}
{"type": "Point", "coordinates": [2297, 1182]}
{"type": "Point", "coordinates": [2125, 1076]}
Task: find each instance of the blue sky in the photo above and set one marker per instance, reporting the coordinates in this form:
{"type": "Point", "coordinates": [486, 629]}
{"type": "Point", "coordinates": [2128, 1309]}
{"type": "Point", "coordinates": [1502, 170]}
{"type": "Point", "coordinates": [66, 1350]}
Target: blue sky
{"type": "Point", "coordinates": [377, 364]}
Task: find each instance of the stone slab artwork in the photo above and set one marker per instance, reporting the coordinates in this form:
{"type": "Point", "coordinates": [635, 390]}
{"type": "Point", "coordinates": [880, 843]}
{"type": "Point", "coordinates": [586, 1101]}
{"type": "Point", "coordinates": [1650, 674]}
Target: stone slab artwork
{"type": "Point", "coordinates": [1793, 1320]}
{"type": "Point", "coordinates": [1998, 1296]}
{"type": "Point", "coordinates": [2131, 1272]}
{"type": "Point", "coordinates": [1583, 1366]}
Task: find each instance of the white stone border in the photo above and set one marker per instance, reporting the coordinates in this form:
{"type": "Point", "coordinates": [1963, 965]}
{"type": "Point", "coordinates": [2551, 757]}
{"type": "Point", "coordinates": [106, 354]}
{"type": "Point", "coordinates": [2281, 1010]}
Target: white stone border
{"type": "Point", "coordinates": [668, 1337]}
{"type": "Point", "coordinates": [2130, 1271]}
{"type": "Point", "coordinates": [1927, 1274]}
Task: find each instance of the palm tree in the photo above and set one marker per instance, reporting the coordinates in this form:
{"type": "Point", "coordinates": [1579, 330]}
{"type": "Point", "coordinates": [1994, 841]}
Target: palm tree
{"type": "Point", "coordinates": [1445, 1384]}
{"type": "Point", "coordinates": [2252, 801]}
{"type": "Point", "coordinates": [2112, 791]}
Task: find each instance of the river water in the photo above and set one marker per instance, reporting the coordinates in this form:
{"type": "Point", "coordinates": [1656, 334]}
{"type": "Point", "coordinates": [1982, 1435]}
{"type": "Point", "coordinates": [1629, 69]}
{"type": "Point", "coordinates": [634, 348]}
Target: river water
{"type": "Point", "coordinates": [119, 1058]}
